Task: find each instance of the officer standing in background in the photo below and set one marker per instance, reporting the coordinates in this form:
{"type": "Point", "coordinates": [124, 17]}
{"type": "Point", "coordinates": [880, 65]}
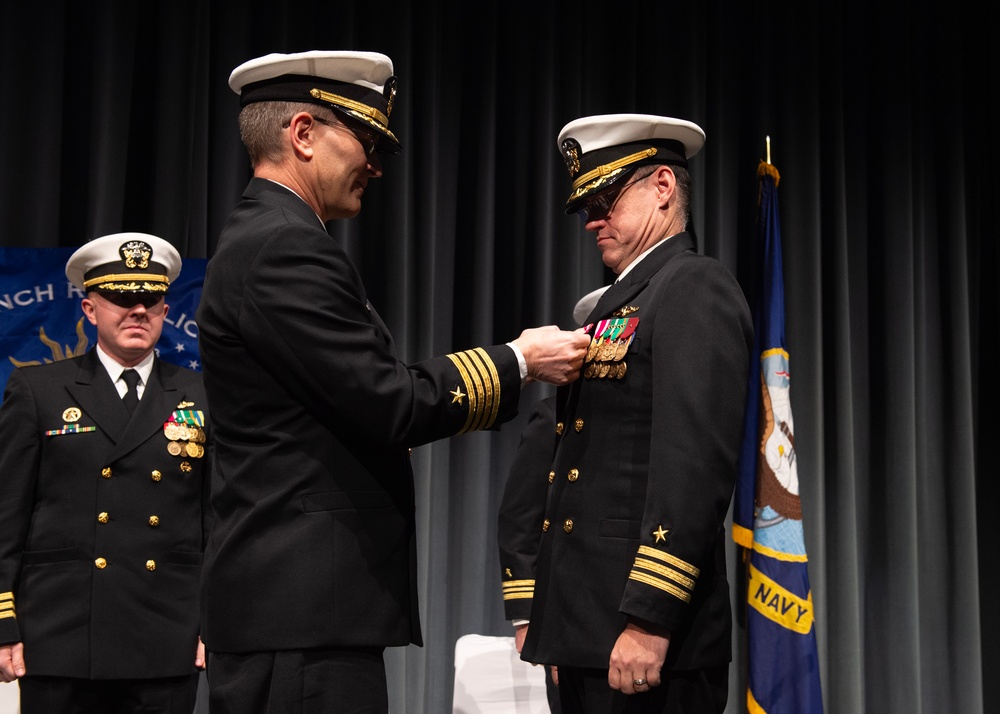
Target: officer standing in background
{"type": "Point", "coordinates": [630, 599]}
{"type": "Point", "coordinates": [103, 503]}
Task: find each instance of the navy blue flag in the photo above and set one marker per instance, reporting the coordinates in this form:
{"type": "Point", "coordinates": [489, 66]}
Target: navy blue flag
{"type": "Point", "coordinates": [41, 320]}
{"type": "Point", "coordinates": [783, 666]}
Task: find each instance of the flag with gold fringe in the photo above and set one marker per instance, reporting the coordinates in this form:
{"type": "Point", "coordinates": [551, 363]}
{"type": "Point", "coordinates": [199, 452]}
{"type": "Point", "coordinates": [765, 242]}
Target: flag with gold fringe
{"type": "Point", "coordinates": [782, 662]}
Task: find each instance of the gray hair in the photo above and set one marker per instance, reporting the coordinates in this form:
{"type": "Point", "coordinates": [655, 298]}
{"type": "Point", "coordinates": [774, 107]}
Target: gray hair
{"type": "Point", "coordinates": [262, 123]}
{"type": "Point", "coordinates": [683, 192]}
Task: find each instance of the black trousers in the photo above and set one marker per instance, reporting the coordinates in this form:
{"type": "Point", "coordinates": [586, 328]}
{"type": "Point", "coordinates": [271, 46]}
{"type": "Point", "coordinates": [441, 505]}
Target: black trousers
{"type": "Point", "coordinates": [313, 681]}
{"type": "Point", "coordinates": [66, 695]}
{"type": "Point", "coordinates": [586, 691]}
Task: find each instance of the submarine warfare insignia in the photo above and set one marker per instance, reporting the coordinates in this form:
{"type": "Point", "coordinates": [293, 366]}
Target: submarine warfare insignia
{"type": "Point", "coordinates": [185, 432]}
{"type": "Point", "coordinates": [608, 347]}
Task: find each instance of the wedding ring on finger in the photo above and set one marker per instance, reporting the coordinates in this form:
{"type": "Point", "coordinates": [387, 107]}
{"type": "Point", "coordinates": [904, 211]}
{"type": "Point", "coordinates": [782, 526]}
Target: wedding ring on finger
{"type": "Point", "coordinates": [639, 682]}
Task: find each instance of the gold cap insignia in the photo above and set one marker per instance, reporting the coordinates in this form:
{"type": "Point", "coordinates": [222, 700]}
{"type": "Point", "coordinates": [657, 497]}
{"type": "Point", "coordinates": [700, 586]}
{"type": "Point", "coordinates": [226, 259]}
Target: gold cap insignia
{"type": "Point", "coordinates": [571, 155]}
{"type": "Point", "coordinates": [136, 253]}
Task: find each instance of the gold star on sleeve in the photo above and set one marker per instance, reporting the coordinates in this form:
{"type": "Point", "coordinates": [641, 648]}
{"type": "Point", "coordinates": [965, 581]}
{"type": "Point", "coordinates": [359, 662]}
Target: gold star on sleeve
{"type": "Point", "coordinates": [457, 394]}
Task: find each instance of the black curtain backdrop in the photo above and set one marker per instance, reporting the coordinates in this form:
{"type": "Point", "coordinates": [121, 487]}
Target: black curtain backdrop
{"type": "Point", "coordinates": [117, 116]}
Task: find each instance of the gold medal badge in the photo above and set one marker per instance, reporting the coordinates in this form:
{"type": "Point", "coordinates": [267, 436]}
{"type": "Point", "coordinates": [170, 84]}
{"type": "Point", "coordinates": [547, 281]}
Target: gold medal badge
{"type": "Point", "coordinates": [611, 343]}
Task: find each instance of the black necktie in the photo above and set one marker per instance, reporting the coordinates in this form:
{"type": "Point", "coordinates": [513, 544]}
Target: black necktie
{"type": "Point", "coordinates": [131, 397]}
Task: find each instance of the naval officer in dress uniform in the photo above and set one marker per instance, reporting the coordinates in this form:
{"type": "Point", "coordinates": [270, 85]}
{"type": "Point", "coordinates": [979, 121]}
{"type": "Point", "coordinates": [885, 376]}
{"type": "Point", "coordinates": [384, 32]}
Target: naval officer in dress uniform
{"type": "Point", "coordinates": [103, 497]}
{"type": "Point", "coordinates": [311, 568]}
{"type": "Point", "coordinates": [630, 597]}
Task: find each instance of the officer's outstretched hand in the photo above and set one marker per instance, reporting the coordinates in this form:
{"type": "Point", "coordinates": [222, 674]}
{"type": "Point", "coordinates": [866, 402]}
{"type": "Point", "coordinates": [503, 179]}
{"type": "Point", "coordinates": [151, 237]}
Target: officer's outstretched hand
{"type": "Point", "coordinates": [12, 662]}
{"type": "Point", "coordinates": [553, 356]}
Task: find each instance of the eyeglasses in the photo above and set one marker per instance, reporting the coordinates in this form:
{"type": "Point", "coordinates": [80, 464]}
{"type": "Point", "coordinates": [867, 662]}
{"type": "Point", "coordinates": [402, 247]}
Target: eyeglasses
{"type": "Point", "coordinates": [367, 139]}
{"type": "Point", "coordinates": [603, 203]}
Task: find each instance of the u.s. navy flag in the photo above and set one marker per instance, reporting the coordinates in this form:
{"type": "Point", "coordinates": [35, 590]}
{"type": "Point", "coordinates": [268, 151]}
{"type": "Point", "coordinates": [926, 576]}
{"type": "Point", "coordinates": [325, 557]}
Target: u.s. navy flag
{"type": "Point", "coordinates": [783, 667]}
{"type": "Point", "coordinates": [41, 320]}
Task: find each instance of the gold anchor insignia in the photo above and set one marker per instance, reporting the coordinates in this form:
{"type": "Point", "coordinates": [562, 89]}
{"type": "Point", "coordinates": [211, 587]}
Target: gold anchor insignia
{"type": "Point", "coordinates": [457, 394]}
{"type": "Point", "coordinates": [661, 534]}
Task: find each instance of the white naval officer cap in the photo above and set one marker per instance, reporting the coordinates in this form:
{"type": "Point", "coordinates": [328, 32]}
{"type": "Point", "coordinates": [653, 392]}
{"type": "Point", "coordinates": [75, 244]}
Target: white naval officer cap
{"type": "Point", "coordinates": [601, 149]}
{"type": "Point", "coordinates": [359, 86]}
{"type": "Point", "coordinates": [124, 263]}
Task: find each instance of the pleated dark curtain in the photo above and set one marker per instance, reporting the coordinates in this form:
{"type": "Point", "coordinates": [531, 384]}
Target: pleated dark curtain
{"type": "Point", "coordinates": [117, 116]}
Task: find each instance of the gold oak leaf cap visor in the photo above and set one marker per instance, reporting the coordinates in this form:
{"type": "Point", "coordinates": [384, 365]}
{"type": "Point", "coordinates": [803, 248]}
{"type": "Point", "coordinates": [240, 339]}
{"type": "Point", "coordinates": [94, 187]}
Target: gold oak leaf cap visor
{"type": "Point", "coordinates": [359, 86]}
{"type": "Point", "coordinates": [601, 149]}
{"type": "Point", "coordinates": [124, 263]}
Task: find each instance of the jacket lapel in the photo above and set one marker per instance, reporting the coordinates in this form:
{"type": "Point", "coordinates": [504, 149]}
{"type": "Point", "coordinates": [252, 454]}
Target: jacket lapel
{"type": "Point", "coordinates": [159, 399]}
{"type": "Point", "coordinates": [637, 279]}
{"type": "Point", "coordinates": [94, 391]}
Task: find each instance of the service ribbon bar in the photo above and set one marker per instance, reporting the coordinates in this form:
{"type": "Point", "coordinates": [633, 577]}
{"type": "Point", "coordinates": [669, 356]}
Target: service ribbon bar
{"type": "Point", "coordinates": [70, 429]}
{"type": "Point", "coordinates": [189, 416]}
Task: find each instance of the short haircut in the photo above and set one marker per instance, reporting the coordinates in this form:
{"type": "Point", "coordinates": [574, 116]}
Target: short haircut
{"type": "Point", "coordinates": [261, 125]}
{"type": "Point", "coordinates": [683, 185]}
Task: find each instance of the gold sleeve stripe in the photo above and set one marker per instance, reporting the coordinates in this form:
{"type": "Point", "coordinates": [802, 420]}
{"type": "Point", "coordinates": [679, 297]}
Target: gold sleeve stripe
{"type": "Point", "coordinates": [477, 381]}
{"type": "Point", "coordinates": [469, 391]}
{"type": "Point", "coordinates": [473, 385]}
{"type": "Point", "coordinates": [528, 595]}
{"type": "Point", "coordinates": [669, 559]}
{"type": "Point", "coordinates": [518, 583]}
{"type": "Point", "coordinates": [661, 584]}
{"type": "Point", "coordinates": [523, 588]}
{"type": "Point", "coordinates": [493, 391]}
{"type": "Point", "coordinates": [6, 605]}
{"type": "Point", "coordinates": [482, 383]}
{"type": "Point", "coordinates": [666, 572]}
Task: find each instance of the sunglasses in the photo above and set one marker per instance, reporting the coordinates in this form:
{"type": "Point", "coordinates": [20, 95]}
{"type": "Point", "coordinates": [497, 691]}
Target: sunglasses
{"type": "Point", "coordinates": [602, 204]}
